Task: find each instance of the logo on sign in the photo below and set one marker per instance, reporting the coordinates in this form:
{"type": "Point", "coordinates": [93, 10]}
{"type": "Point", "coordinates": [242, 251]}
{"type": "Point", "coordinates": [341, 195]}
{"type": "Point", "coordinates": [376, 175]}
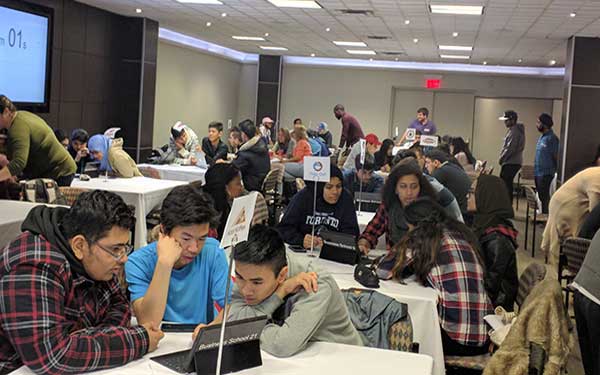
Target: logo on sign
{"type": "Point", "coordinates": [318, 166]}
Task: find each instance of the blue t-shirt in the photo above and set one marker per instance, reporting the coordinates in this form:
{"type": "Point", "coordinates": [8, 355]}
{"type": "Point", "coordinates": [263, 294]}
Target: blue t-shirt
{"type": "Point", "coordinates": [193, 289]}
{"type": "Point", "coordinates": [545, 152]}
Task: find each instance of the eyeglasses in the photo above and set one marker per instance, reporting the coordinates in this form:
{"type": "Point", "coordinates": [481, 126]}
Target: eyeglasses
{"type": "Point", "coordinates": [118, 251]}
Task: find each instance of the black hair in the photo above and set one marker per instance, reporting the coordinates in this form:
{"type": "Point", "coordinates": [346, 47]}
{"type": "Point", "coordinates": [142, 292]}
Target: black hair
{"type": "Point", "coordinates": [403, 155]}
{"type": "Point", "coordinates": [6, 103]}
{"type": "Point", "coordinates": [460, 145]}
{"type": "Point", "coordinates": [60, 134]}
{"type": "Point", "coordinates": [216, 125]}
{"type": "Point", "coordinates": [338, 107]}
{"type": "Point", "coordinates": [401, 170]}
{"type": "Point", "coordinates": [263, 247]}
{"type": "Point", "coordinates": [80, 135]}
{"type": "Point", "coordinates": [438, 155]}
{"type": "Point", "coordinates": [236, 132]}
{"type": "Point", "coordinates": [297, 121]}
{"type": "Point", "coordinates": [217, 177]}
{"type": "Point", "coordinates": [424, 241]}
{"type": "Point", "coordinates": [368, 165]}
{"type": "Point", "coordinates": [247, 127]}
{"type": "Point", "coordinates": [424, 111]}
{"type": "Point", "coordinates": [184, 206]}
{"type": "Point", "coordinates": [95, 213]}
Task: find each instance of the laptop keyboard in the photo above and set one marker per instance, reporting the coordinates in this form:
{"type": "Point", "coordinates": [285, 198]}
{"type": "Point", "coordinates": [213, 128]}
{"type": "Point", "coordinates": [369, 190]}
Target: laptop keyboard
{"type": "Point", "coordinates": [175, 362]}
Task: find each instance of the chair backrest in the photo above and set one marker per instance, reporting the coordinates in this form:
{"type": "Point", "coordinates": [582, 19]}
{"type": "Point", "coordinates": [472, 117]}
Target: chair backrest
{"type": "Point", "coordinates": [527, 172]}
{"type": "Point", "coordinates": [261, 212]}
{"type": "Point", "coordinates": [271, 181]}
{"type": "Point", "coordinates": [574, 249]}
{"type": "Point", "coordinates": [400, 335]}
{"type": "Point", "coordinates": [533, 275]}
{"type": "Point", "coordinates": [531, 197]}
{"type": "Point", "coordinates": [71, 193]}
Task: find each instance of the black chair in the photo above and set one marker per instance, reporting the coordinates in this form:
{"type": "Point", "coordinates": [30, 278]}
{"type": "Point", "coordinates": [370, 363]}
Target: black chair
{"type": "Point", "coordinates": [532, 204]}
{"type": "Point", "coordinates": [570, 259]}
{"type": "Point", "coordinates": [528, 175]}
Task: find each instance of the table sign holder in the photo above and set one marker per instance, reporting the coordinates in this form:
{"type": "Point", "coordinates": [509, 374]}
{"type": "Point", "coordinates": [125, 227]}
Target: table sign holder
{"type": "Point", "coordinates": [316, 168]}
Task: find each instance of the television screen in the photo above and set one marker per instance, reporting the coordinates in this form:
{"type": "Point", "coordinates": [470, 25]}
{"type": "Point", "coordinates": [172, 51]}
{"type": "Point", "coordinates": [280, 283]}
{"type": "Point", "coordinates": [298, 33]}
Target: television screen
{"type": "Point", "coordinates": [25, 32]}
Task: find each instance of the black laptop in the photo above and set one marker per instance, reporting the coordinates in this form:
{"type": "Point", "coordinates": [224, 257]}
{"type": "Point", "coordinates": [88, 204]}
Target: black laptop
{"type": "Point", "coordinates": [339, 247]}
{"type": "Point", "coordinates": [238, 334]}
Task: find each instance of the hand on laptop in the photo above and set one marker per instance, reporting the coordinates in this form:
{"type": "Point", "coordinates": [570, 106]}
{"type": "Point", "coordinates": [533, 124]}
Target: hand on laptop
{"type": "Point", "coordinates": [197, 330]}
{"type": "Point", "coordinates": [318, 242]}
{"type": "Point", "coordinates": [154, 335]}
{"type": "Point", "coordinates": [168, 249]}
{"type": "Point", "coordinates": [303, 280]}
{"type": "Point", "coordinates": [364, 246]}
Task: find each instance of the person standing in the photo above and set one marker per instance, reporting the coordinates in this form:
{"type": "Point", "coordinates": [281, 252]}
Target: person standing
{"type": "Point", "coordinates": [422, 123]}
{"type": "Point", "coordinates": [546, 159]}
{"type": "Point", "coordinates": [511, 156]}
{"type": "Point", "coordinates": [33, 150]}
{"type": "Point", "coordinates": [351, 130]}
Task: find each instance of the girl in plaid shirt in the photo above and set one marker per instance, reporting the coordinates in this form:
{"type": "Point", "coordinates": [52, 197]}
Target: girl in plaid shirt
{"type": "Point", "coordinates": [443, 254]}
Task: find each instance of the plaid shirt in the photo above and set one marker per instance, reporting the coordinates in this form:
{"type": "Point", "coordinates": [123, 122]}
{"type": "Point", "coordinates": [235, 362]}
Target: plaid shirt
{"type": "Point", "coordinates": [58, 322]}
{"type": "Point", "coordinates": [457, 275]}
{"type": "Point", "coordinates": [376, 227]}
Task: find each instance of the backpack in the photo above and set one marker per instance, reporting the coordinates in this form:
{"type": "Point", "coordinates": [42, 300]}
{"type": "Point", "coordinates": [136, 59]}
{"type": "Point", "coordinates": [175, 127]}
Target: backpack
{"type": "Point", "coordinates": [42, 190]}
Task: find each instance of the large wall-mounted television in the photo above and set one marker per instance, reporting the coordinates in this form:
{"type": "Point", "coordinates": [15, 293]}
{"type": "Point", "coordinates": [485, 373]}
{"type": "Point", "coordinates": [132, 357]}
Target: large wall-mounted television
{"type": "Point", "coordinates": [25, 54]}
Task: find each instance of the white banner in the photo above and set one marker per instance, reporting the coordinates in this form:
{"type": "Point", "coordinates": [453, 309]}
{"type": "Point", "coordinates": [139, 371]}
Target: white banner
{"type": "Point", "coordinates": [317, 168]}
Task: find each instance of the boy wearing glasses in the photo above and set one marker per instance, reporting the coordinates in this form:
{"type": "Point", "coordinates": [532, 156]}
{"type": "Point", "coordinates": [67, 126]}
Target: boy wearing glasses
{"type": "Point", "coordinates": [62, 310]}
{"type": "Point", "coordinates": [180, 277]}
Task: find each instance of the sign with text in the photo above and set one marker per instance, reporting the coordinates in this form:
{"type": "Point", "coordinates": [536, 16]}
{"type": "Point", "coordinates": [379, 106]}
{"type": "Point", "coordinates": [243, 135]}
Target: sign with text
{"type": "Point", "coordinates": [429, 140]}
{"type": "Point", "coordinates": [316, 168]}
{"type": "Point", "coordinates": [239, 220]}
{"type": "Point", "coordinates": [411, 134]}
{"type": "Point", "coordinates": [363, 150]}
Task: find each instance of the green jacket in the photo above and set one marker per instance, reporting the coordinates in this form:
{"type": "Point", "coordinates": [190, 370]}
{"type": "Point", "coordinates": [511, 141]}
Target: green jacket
{"type": "Point", "coordinates": [34, 150]}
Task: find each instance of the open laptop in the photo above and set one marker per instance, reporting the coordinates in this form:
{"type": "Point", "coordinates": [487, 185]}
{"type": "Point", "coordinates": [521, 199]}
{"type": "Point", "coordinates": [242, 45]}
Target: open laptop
{"type": "Point", "coordinates": [339, 247]}
{"type": "Point", "coordinates": [208, 339]}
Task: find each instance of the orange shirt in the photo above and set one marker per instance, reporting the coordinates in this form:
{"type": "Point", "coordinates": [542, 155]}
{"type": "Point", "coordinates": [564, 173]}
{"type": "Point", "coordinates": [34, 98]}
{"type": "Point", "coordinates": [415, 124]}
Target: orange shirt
{"type": "Point", "coordinates": [302, 149]}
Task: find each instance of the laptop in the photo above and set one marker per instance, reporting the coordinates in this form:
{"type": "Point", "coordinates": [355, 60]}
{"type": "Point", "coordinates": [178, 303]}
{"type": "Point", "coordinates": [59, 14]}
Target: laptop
{"type": "Point", "coordinates": [339, 247]}
{"type": "Point", "coordinates": [237, 332]}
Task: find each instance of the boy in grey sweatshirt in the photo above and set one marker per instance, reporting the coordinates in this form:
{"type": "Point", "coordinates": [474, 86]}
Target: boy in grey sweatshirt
{"type": "Point", "coordinates": [302, 301]}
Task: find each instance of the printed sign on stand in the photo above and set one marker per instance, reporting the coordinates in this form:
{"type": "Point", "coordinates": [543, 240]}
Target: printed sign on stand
{"type": "Point", "coordinates": [411, 134]}
{"type": "Point", "coordinates": [239, 220]}
{"type": "Point", "coordinates": [317, 168]}
{"type": "Point", "coordinates": [429, 140]}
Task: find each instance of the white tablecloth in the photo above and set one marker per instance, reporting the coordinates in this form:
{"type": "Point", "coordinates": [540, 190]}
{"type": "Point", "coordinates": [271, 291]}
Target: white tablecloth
{"type": "Point", "coordinates": [318, 358]}
{"type": "Point", "coordinates": [12, 214]}
{"type": "Point", "coordinates": [422, 307]}
{"type": "Point", "coordinates": [364, 218]}
{"type": "Point", "coordinates": [142, 192]}
{"type": "Point", "coordinates": [174, 172]}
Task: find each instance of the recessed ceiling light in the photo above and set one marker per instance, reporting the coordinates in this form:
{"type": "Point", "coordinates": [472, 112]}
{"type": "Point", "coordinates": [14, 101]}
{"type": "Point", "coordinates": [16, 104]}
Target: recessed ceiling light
{"type": "Point", "coordinates": [266, 34]}
{"type": "Point", "coordinates": [552, 62]}
{"type": "Point", "coordinates": [296, 4]}
{"type": "Point", "coordinates": [520, 60]}
{"type": "Point", "coordinates": [214, 2]}
{"type": "Point", "coordinates": [257, 38]}
{"type": "Point", "coordinates": [485, 63]}
{"type": "Point", "coordinates": [573, 14]}
{"type": "Point", "coordinates": [457, 57]}
{"type": "Point", "coordinates": [328, 29]}
{"type": "Point", "coordinates": [456, 9]}
{"type": "Point", "coordinates": [349, 44]}
{"type": "Point", "coordinates": [273, 48]}
{"type": "Point", "coordinates": [407, 22]}
{"type": "Point", "coordinates": [208, 24]}
{"type": "Point", "coordinates": [223, 14]}
{"type": "Point", "coordinates": [415, 40]}
{"type": "Point", "coordinates": [360, 52]}
{"type": "Point", "coordinates": [456, 48]}
{"type": "Point", "coordinates": [312, 55]}
{"type": "Point", "coordinates": [138, 10]}
{"type": "Point", "coordinates": [370, 59]}
{"type": "Point", "coordinates": [396, 59]}
{"type": "Point", "coordinates": [455, 34]}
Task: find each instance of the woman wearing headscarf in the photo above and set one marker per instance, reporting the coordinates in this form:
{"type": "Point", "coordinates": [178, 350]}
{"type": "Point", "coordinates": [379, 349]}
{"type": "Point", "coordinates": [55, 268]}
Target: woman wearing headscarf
{"type": "Point", "coordinates": [492, 214]}
{"type": "Point", "coordinates": [113, 159]}
{"type": "Point", "coordinates": [334, 210]}
{"type": "Point", "coordinates": [443, 254]}
{"type": "Point", "coordinates": [384, 157]}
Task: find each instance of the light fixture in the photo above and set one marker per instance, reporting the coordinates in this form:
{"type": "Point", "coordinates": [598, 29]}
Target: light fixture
{"type": "Point", "coordinates": [256, 38]}
{"type": "Point", "coordinates": [208, 24]}
{"type": "Point", "coordinates": [520, 60]}
{"type": "Point", "coordinates": [213, 2]}
{"type": "Point", "coordinates": [328, 29]}
{"type": "Point", "coordinates": [266, 34]}
{"type": "Point", "coordinates": [456, 57]}
{"type": "Point", "coordinates": [456, 9]}
{"type": "Point", "coordinates": [455, 48]}
{"type": "Point", "coordinates": [370, 59]}
{"type": "Point", "coordinates": [138, 10]}
{"type": "Point", "coordinates": [350, 44]}
{"type": "Point", "coordinates": [396, 59]}
{"type": "Point", "coordinates": [273, 48]}
{"type": "Point", "coordinates": [485, 63]}
{"type": "Point", "coordinates": [415, 40]}
{"type": "Point", "coordinates": [360, 52]}
{"type": "Point", "coordinates": [223, 14]}
{"type": "Point", "coordinates": [572, 15]}
{"type": "Point", "coordinates": [312, 55]}
{"type": "Point", "coordinates": [296, 4]}
{"type": "Point", "coordinates": [407, 22]}
{"type": "Point", "coordinates": [454, 34]}
{"type": "Point", "coordinates": [552, 62]}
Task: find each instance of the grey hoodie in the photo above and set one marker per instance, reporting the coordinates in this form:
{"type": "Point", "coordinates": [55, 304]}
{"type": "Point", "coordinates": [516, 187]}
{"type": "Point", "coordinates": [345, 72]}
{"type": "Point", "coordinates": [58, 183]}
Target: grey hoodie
{"type": "Point", "coordinates": [514, 144]}
{"type": "Point", "coordinates": [320, 316]}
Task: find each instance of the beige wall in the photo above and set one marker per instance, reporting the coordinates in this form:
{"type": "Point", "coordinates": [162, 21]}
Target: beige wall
{"type": "Point", "coordinates": [247, 93]}
{"type": "Point", "coordinates": [311, 92]}
{"type": "Point", "coordinates": [195, 88]}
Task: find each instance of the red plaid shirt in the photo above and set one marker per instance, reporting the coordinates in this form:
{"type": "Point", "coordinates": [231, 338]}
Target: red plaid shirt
{"type": "Point", "coordinates": [377, 227]}
{"type": "Point", "coordinates": [58, 322]}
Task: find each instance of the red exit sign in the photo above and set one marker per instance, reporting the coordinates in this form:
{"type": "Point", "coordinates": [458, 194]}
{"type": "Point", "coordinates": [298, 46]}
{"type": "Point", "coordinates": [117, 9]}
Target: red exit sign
{"type": "Point", "coordinates": [433, 83]}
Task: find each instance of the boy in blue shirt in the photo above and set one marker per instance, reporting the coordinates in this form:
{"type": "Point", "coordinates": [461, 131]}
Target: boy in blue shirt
{"type": "Point", "coordinates": [180, 277]}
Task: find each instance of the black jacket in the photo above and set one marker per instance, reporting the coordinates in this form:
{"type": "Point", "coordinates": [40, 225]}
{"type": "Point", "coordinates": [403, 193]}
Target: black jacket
{"type": "Point", "coordinates": [501, 280]}
{"type": "Point", "coordinates": [254, 162]}
{"type": "Point", "coordinates": [212, 155]}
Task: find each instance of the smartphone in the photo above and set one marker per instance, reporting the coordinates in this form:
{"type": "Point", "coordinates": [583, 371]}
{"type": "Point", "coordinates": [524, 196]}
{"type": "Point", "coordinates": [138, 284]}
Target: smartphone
{"type": "Point", "coordinates": [178, 327]}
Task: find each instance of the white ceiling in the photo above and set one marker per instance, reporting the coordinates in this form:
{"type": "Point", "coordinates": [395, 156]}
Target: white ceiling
{"type": "Point", "coordinates": [533, 30]}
